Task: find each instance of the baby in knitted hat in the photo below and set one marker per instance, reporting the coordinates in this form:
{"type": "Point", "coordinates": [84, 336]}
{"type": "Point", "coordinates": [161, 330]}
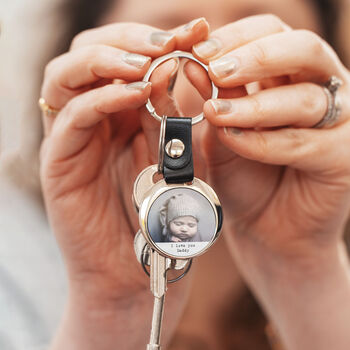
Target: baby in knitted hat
{"type": "Point", "coordinates": [179, 217]}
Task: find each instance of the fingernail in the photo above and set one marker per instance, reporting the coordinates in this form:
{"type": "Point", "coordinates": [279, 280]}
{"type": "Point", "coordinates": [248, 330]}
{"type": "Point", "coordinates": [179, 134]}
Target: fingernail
{"type": "Point", "coordinates": [173, 76]}
{"type": "Point", "coordinates": [135, 59]}
{"type": "Point", "coordinates": [223, 66]}
{"type": "Point", "coordinates": [161, 38]}
{"type": "Point", "coordinates": [221, 106]}
{"type": "Point", "coordinates": [190, 25]}
{"type": "Point", "coordinates": [207, 48]}
{"type": "Point", "coordinates": [232, 131]}
{"type": "Point", "coordinates": [171, 84]}
{"type": "Point", "coordinates": [138, 85]}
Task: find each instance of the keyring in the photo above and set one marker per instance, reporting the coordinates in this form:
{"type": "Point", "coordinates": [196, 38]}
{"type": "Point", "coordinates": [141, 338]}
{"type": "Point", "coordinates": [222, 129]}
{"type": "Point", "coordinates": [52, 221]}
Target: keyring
{"type": "Point", "coordinates": [173, 280]}
{"type": "Point", "coordinates": [160, 60]}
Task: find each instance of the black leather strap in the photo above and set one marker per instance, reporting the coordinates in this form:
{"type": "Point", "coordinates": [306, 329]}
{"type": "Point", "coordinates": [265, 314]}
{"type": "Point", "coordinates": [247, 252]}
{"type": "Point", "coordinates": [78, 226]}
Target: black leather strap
{"type": "Point", "coordinates": [179, 170]}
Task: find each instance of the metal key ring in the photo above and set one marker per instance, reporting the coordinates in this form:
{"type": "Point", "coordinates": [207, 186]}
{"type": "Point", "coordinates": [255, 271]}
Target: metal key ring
{"type": "Point", "coordinates": [160, 60]}
{"type": "Point", "coordinates": [173, 280]}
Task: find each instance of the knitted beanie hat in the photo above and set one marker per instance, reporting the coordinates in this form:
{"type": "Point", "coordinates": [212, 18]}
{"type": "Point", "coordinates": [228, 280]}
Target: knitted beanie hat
{"type": "Point", "coordinates": [179, 205]}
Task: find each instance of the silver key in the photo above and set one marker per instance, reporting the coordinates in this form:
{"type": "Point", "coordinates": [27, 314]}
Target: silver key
{"type": "Point", "coordinates": [158, 279]}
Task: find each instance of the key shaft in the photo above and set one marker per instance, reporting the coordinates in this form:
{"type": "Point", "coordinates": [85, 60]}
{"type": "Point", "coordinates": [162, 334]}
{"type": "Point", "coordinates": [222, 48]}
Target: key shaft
{"type": "Point", "coordinates": [158, 270]}
{"type": "Point", "coordinates": [157, 317]}
{"type": "Point", "coordinates": [158, 285]}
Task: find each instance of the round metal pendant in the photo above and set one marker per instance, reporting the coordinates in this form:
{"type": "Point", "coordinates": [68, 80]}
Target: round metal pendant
{"type": "Point", "coordinates": [179, 221]}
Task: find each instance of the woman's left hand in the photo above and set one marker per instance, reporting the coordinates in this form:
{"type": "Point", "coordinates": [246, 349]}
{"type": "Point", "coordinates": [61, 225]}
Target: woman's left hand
{"type": "Point", "coordinates": [284, 185]}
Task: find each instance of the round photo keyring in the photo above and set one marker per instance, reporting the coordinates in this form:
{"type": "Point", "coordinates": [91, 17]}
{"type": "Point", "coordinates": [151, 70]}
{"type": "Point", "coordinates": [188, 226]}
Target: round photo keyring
{"type": "Point", "coordinates": [159, 61]}
{"type": "Point", "coordinates": [180, 216]}
{"type": "Point", "coordinates": [179, 221]}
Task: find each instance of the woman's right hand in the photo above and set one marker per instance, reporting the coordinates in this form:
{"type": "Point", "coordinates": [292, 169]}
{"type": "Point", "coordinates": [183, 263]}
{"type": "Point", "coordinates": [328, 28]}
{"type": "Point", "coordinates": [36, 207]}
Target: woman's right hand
{"type": "Point", "coordinates": [91, 154]}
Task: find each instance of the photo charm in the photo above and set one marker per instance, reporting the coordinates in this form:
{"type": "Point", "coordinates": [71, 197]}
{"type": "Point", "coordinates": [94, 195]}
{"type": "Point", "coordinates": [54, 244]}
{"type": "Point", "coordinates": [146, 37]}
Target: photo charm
{"type": "Point", "coordinates": [180, 221]}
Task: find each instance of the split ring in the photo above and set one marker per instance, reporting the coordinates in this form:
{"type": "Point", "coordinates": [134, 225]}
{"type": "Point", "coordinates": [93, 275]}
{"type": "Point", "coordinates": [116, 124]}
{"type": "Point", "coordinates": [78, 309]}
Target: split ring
{"type": "Point", "coordinates": [160, 60]}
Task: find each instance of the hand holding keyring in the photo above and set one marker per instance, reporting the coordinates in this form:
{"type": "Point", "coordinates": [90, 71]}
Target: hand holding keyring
{"type": "Point", "coordinates": [286, 182]}
{"type": "Point", "coordinates": [97, 140]}
{"type": "Point", "coordinates": [275, 125]}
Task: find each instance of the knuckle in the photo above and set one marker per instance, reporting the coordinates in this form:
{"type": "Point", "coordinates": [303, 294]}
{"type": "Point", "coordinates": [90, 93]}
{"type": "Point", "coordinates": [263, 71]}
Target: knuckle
{"type": "Point", "coordinates": [259, 54]}
{"type": "Point", "coordinates": [263, 147]}
{"type": "Point", "coordinates": [70, 116]}
{"type": "Point", "coordinates": [258, 110]}
{"type": "Point", "coordinates": [311, 41]}
{"type": "Point", "coordinates": [275, 21]}
{"type": "Point", "coordinates": [101, 96]}
{"type": "Point", "coordinates": [51, 67]}
{"type": "Point", "coordinates": [93, 52]}
{"type": "Point", "coordinates": [297, 138]}
{"type": "Point", "coordinates": [81, 39]}
{"type": "Point", "coordinates": [310, 102]}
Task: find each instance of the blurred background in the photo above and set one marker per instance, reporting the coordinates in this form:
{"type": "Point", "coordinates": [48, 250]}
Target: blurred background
{"type": "Point", "coordinates": [32, 279]}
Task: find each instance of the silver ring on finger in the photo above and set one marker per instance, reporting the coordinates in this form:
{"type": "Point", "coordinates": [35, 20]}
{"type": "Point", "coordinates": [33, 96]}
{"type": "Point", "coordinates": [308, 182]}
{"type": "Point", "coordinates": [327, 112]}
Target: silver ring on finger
{"type": "Point", "coordinates": [333, 102]}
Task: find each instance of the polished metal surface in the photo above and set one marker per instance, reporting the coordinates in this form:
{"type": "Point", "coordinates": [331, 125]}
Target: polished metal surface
{"type": "Point", "coordinates": [158, 272]}
{"type": "Point", "coordinates": [175, 148]}
{"type": "Point", "coordinates": [161, 144]}
{"type": "Point", "coordinates": [146, 198]}
{"type": "Point", "coordinates": [333, 102]}
{"type": "Point", "coordinates": [141, 253]}
{"type": "Point", "coordinates": [160, 60]}
{"type": "Point", "coordinates": [143, 183]}
{"type": "Point", "coordinates": [158, 284]}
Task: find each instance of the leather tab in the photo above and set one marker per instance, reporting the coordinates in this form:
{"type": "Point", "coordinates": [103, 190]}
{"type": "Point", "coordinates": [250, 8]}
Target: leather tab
{"type": "Point", "coordinates": [178, 170]}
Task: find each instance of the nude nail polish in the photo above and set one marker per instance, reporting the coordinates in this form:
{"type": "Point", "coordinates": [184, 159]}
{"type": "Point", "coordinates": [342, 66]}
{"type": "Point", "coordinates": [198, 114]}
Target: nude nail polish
{"type": "Point", "coordinates": [161, 38]}
{"type": "Point", "coordinates": [138, 85]}
{"type": "Point", "coordinates": [190, 25]}
{"type": "Point", "coordinates": [232, 131]}
{"type": "Point", "coordinates": [221, 106]}
{"type": "Point", "coordinates": [135, 59]}
{"type": "Point", "coordinates": [224, 66]}
{"type": "Point", "coordinates": [207, 48]}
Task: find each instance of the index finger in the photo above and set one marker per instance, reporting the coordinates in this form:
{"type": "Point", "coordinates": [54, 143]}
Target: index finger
{"type": "Point", "coordinates": [144, 39]}
{"type": "Point", "coordinates": [237, 34]}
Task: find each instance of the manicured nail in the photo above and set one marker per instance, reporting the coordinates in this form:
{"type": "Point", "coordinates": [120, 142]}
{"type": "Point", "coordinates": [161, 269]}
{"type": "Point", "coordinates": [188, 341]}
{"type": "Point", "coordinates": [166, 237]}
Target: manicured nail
{"type": "Point", "coordinates": [138, 85]}
{"type": "Point", "coordinates": [173, 76]}
{"type": "Point", "coordinates": [224, 66]}
{"type": "Point", "coordinates": [232, 131]}
{"type": "Point", "coordinates": [135, 59]}
{"type": "Point", "coordinates": [161, 38]}
{"type": "Point", "coordinates": [190, 25]}
{"type": "Point", "coordinates": [171, 84]}
{"type": "Point", "coordinates": [207, 48]}
{"type": "Point", "coordinates": [221, 106]}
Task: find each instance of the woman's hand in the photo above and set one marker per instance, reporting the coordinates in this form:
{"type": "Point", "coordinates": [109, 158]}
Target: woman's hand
{"type": "Point", "coordinates": [92, 152]}
{"type": "Point", "coordinates": [285, 186]}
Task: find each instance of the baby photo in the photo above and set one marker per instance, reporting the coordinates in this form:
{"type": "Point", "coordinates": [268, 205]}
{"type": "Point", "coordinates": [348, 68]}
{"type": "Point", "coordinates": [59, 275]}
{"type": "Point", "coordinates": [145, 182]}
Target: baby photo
{"type": "Point", "coordinates": [179, 217]}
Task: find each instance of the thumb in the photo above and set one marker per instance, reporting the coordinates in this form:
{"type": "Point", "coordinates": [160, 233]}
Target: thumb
{"type": "Point", "coordinates": [162, 79]}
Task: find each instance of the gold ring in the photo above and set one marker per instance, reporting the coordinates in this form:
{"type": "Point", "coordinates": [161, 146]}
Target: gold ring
{"type": "Point", "coordinates": [46, 109]}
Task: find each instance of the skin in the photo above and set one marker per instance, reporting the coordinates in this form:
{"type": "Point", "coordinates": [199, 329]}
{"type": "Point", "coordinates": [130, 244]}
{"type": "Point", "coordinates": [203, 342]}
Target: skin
{"type": "Point", "coordinates": [289, 184]}
{"type": "Point", "coordinates": [183, 228]}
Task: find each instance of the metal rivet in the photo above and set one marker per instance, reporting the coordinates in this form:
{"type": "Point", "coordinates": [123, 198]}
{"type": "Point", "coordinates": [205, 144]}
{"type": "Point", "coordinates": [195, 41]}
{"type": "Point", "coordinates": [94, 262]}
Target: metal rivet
{"type": "Point", "coordinates": [175, 148]}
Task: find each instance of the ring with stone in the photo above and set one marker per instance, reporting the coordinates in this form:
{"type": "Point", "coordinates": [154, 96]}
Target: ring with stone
{"type": "Point", "coordinates": [333, 102]}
